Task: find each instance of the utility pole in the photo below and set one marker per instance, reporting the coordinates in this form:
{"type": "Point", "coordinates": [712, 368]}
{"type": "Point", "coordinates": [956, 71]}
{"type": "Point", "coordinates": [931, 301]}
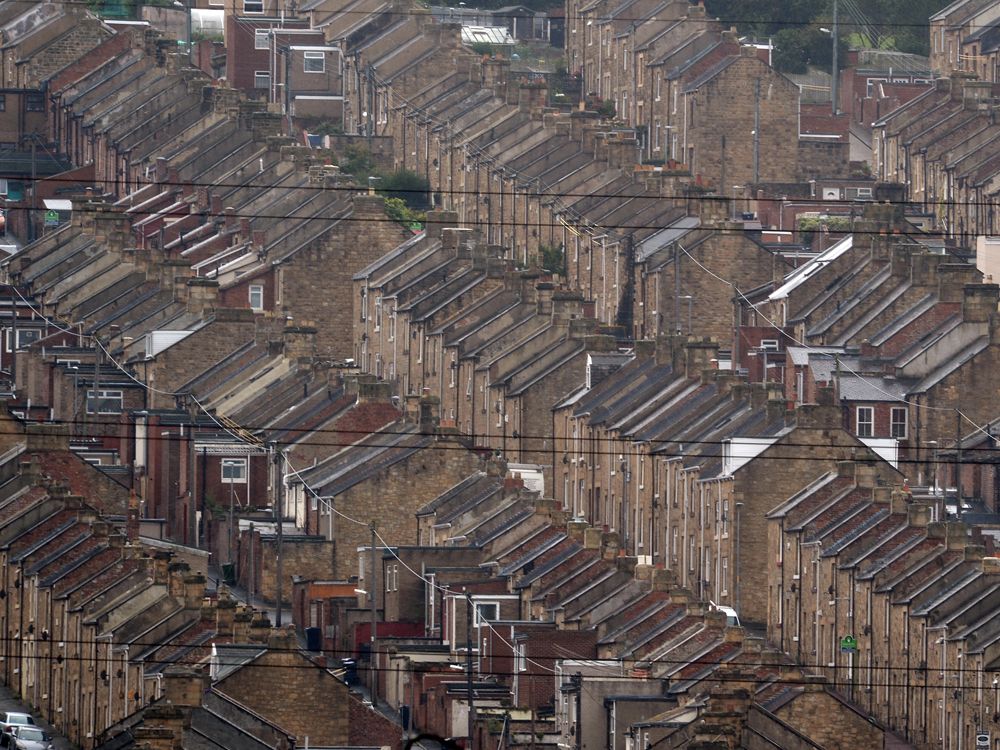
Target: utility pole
{"type": "Point", "coordinates": [98, 355]}
{"type": "Point", "coordinates": [280, 517]}
{"type": "Point", "coordinates": [677, 288]}
{"type": "Point", "coordinates": [756, 131]}
{"type": "Point", "coordinates": [34, 190]}
{"type": "Point", "coordinates": [834, 83]}
{"type": "Point", "coordinates": [232, 502]}
{"type": "Point", "coordinates": [576, 681]}
{"type": "Point", "coordinates": [468, 667]}
{"type": "Point", "coordinates": [371, 640]}
{"type": "Point", "coordinates": [250, 578]}
{"type": "Point", "coordinates": [958, 468]}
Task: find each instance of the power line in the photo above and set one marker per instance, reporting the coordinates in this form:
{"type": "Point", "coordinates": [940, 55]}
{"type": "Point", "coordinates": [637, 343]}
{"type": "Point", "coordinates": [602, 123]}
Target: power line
{"type": "Point", "coordinates": [697, 661]}
{"type": "Point", "coordinates": [390, 443]}
{"type": "Point", "coordinates": [506, 173]}
{"type": "Point", "coordinates": [407, 13]}
{"type": "Point", "coordinates": [512, 225]}
{"type": "Point", "coordinates": [421, 668]}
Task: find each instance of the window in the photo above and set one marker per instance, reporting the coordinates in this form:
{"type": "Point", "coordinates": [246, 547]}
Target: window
{"type": "Point", "coordinates": [3, 102]}
{"type": "Point", "coordinates": [256, 297]}
{"type": "Point", "coordinates": [364, 305]}
{"type": "Point", "coordinates": [897, 422]}
{"type": "Point", "coordinates": [378, 313]}
{"type": "Point", "coordinates": [261, 79]}
{"type": "Point", "coordinates": [234, 470]}
{"type": "Point", "coordinates": [769, 345]}
{"type": "Point", "coordinates": [392, 322]}
{"type": "Point", "coordinates": [866, 421]}
{"type": "Point", "coordinates": [34, 103]}
{"type": "Point", "coordinates": [253, 6]}
{"type": "Point", "coordinates": [313, 62]}
{"type": "Point", "coordinates": [487, 612]}
{"type": "Point", "coordinates": [261, 39]}
{"type": "Point", "coordinates": [520, 658]}
{"type": "Point", "coordinates": [104, 401]}
{"type": "Point", "coordinates": [25, 337]}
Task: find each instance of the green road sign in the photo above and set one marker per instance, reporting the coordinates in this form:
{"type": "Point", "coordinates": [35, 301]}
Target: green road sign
{"type": "Point", "coordinates": [848, 644]}
{"type": "Point", "coordinates": [51, 218]}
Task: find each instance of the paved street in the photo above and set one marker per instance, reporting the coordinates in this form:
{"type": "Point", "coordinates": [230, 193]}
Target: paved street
{"type": "Point", "coordinates": [9, 703]}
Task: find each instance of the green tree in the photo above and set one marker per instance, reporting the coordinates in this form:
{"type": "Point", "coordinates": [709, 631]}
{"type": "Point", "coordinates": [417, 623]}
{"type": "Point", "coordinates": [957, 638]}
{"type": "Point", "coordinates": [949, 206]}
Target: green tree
{"type": "Point", "coordinates": [552, 258]}
{"type": "Point", "coordinates": [412, 188]}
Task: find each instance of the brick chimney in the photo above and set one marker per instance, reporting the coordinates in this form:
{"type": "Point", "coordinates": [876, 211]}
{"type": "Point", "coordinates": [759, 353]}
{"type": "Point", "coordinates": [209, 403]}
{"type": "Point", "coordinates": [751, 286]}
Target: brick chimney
{"type": "Point", "coordinates": [132, 519]}
{"type": "Point", "coordinates": [47, 437]}
{"type": "Point", "coordinates": [430, 414]}
{"type": "Point", "coordinates": [438, 220]}
{"type": "Point", "coordinates": [299, 342]}
{"type": "Point", "coordinates": [566, 306]}
{"type": "Point", "coordinates": [532, 97]}
{"type": "Point", "coordinates": [979, 302]}
{"type": "Point", "coordinates": [543, 299]}
{"type": "Point", "coordinates": [952, 278]}
{"type": "Point", "coordinates": [698, 356]}
{"type": "Point", "coordinates": [202, 294]}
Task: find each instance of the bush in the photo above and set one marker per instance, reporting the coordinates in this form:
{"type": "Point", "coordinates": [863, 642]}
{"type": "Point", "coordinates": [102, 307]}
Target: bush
{"type": "Point", "coordinates": [397, 210]}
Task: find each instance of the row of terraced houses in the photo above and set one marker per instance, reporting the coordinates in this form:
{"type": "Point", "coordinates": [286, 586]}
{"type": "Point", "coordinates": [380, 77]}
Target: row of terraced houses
{"type": "Point", "coordinates": [529, 502]}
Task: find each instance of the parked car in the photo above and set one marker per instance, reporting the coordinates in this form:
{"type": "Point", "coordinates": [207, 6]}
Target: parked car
{"type": "Point", "coordinates": [732, 618]}
{"type": "Point", "coordinates": [30, 738]}
{"type": "Point", "coordinates": [13, 719]}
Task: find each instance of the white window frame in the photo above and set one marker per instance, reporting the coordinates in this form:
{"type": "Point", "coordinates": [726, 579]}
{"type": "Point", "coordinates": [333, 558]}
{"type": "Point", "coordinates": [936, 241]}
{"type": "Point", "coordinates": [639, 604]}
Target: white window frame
{"type": "Point", "coordinates": [234, 470]}
{"type": "Point", "coordinates": [313, 55]}
{"type": "Point", "coordinates": [480, 606]}
{"type": "Point", "coordinates": [256, 290]}
{"type": "Point", "coordinates": [869, 411]}
{"type": "Point", "coordinates": [32, 333]}
{"type": "Point", "coordinates": [253, 7]}
{"type": "Point", "coordinates": [378, 313]}
{"type": "Point", "coordinates": [520, 658]}
{"type": "Point", "coordinates": [259, 76]}
{"type": "Point", "coordinates": [106, 394]}
{"type": "Point", "coordinates": [262, 39]}
{"type": "Point", "coordinates": [903, 422]}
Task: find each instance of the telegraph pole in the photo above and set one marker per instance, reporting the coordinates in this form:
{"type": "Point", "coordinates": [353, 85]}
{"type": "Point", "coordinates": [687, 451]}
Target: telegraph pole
{"type": "Point", "coordinates": [278, 493]}
{"type": "Point", "coordinates": [468, 667]}
{"type": "Point", "coordinates": [834, 84]}
{"type": "Point", "coordinates": [371, 640]}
